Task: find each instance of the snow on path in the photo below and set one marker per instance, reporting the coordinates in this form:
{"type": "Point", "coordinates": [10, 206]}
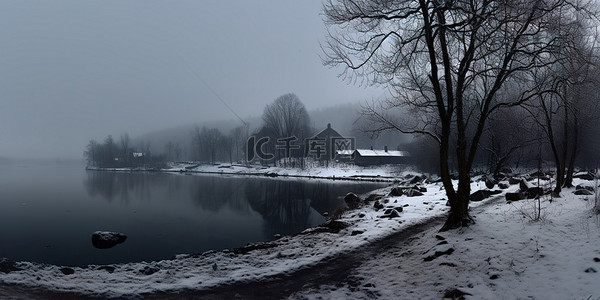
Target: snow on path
{"type": "Point", "coordinates": [504, 256]}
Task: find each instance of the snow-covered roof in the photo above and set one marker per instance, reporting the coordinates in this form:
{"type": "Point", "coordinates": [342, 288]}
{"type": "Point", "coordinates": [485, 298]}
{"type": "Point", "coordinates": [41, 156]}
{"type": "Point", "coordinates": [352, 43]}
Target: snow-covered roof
{"type": "Point", "coordinates": [344, 152]}
{"type": "Point", "coordinates": [367, 152]}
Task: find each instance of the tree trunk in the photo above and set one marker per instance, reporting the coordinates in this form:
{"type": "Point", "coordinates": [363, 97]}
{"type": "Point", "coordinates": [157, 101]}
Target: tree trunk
{"type": "Point", "coordinates": [459, 199]}
{"type": "Point", "coordinates": [574, 147]}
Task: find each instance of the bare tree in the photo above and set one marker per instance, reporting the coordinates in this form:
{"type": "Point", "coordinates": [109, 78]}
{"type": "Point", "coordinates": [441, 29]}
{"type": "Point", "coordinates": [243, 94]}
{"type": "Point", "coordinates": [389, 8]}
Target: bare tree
{"type": "Point", "coordinates": [508, 134]}
{"type": "Point", "coordinates": [169, 147]}
{"type": "Point", "coordinates": [177, 151]}
{"type": "Point", "coordinates": [208, 143]}
{"type": "Point", "coordinates": [445, 61]}
{"type": "Point", "coordinates": [570, 101]}
{"type": "Point", "coordinates": [239, 136]}
{"type": "Point", "coordinates": [124, 143]}
{"type": "Point", "coordinates": [286, 117]}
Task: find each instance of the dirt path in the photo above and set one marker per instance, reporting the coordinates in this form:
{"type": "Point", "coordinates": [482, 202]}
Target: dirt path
{"type": "Point", "coordinates": [333, 271]}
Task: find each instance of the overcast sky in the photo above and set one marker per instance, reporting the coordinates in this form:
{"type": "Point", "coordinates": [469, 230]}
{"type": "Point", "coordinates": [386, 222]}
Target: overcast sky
{"type": "Point", "coordinates": [75, 70]}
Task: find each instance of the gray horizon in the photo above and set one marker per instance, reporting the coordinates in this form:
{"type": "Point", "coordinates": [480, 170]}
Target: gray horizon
{"type": "Point", "coordinates": [72, 71]}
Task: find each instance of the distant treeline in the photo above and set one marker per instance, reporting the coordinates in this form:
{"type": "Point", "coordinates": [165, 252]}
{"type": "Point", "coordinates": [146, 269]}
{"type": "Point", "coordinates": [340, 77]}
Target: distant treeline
{"type": "Point", "coordinates": [120, 155]}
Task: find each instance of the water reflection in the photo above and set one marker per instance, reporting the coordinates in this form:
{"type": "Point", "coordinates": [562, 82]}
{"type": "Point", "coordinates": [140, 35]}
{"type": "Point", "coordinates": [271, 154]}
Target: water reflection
{"type": "Point", "coordinates": [283, 205]}
{"type": "Point", "coordinates": [240, 209]}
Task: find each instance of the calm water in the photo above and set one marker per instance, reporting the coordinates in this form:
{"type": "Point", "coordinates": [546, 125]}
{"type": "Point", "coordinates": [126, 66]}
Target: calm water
{"type": "Point", "coordinates": [48, 212]}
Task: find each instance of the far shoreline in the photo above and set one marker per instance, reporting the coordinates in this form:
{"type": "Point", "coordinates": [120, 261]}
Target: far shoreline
{"type": "Point", "coordinates": [386, 173]}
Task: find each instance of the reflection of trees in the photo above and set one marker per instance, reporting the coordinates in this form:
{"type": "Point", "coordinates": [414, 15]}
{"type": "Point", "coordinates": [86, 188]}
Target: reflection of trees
{"type": "Point", "coordinates": [216, 192]}
{"type": "Point", "coordinates": [111, 185]}
{"type": "Point", "coordinates": [287, 206]}
{"type": "Point", "coordinates": [283, 204]}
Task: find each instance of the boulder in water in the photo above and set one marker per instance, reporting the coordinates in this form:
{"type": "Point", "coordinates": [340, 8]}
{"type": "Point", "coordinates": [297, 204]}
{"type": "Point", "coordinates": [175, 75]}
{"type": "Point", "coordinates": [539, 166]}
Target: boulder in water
{"type": "Point", "coordinates": [107, 239]}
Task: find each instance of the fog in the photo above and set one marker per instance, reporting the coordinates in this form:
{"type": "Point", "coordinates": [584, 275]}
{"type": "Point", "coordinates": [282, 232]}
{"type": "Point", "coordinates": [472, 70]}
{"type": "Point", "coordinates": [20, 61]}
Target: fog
{"type": "Point", "coordinates": [71, 71]}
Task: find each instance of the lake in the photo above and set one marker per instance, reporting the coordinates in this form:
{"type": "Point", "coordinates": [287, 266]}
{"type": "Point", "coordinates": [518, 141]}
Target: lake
{"type": "Point", "coordinates": [48, 211]}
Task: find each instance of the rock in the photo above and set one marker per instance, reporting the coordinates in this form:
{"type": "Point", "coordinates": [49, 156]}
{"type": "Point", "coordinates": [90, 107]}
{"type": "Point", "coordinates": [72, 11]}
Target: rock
{"type": "Point", "coordinates": [447, 251]}
{"type": "Point", "coordinates": [416, 179]}
{"type": "Point", "coordinates": [369, 285]}
{"type": "Point", "coordinates": [149, 270]}
{"type": "Point", "coordinates": [377, 205]}
{"type": "Point", "coordinates": [514, 196]}
{"type": "Point", "coordinates": [503, 185]}
{"type": "Point", "coordinates": [392, 212]}
{"type": "Point", "coordinates": [524, 185]}
{"type": "Point", "coordinates": [439, 237]}
{"type": "Point", "coordinates": [67, 271]}
{"type": "Point", "coordinates": [590, 270]}
{"type": "Point", "coordinates": [108, 269]}
{"type": "Point", "coordinates": [538, 174]}
{"type": "Point", "coordinates": [373, 197]}
{"type": "Point", "coordinates": [489, 183]}
{"type": "Point", "coordinates": [396, 192]}
{"type": "Point", "coordinates": [357, 232]}
{"type": "Point", "coordinates": [421, 189]}
{"type": "Point", "coordinates": [513, 180]}
{"type": "Point", "coordinates": [482, 194]}
{"type": "Point", "coordinates": [478, 196]}
{"type": "Point", "coordinates": [107, 239]}
{"type": "Point", "coordinates": [352, 200]}
{"type": "Point", "coordinates": [583, 192]}
{"type": "Point", "coordinates": [585, 187]}
{"type": "Point", "coordinates": [494, 277]}
{"type": "Point", "coordinates": [506, 170]}
{"type": "Point", "coordinates": [500, 176]}
{"type": "Point", "coordinates": [456, 294]}
{"type": "Point", "coordinates": [413, 193]}
{"type": "Point", "coordinates": [7, 266]}
{"type": "Point", "coordinates": [596, 259]}
{"type": "Point", "coordinates": [534, 192]}
{"type": "Point", "coordinates": [335, 225]}
{"type": "Point", "coordinates": [584, 176]}
{"type": "Point", "coordinates": [449, 264]}
{"type": "Point", "coordinates": [257, 246]}
{"type": "Point", "coordinates": [215, 267]}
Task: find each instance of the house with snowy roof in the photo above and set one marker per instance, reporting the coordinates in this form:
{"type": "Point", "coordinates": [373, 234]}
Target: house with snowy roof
{"type": "Point", "coordinates": [325, 144]}
{"type": "Point", "coordinates": [370, 157]}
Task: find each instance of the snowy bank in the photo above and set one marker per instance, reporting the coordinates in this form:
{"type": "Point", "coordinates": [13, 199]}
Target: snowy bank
{"type": "Point", "coordinates": [505, 255]}
{"type": "Point", "coordinates": [387, 173]}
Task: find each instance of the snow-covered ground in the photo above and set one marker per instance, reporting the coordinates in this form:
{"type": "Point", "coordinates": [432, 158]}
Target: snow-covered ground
{"type": "Point", "coordinates": [339, 171]}
{"type": "Point", "coordinates": [503, 256]}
